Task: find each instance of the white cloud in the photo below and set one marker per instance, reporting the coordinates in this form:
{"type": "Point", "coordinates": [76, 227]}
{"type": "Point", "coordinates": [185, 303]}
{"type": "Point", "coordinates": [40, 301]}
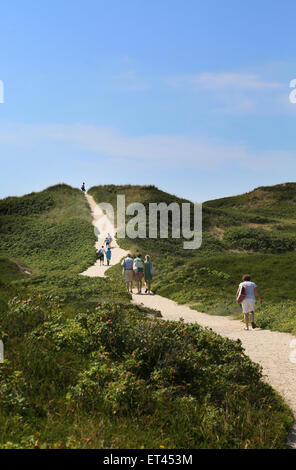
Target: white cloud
{"type": "Point", "coordinates": [109, 142]}
{"type": "Point", "coordinates": [159, 151]}
{"type": "Point", "coordinates": [218, 81]}
{"type": "Point", "coordinates": [232, 93]}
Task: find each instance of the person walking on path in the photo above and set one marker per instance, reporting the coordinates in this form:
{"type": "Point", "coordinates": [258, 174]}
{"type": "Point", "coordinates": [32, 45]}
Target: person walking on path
{"type": "Point", "coordinates": [83, 188]}
{"type": "Point", "coordinates": [138, 267]}
{"type": "Point", "coordinates": [148, 273]}
{"type": "Point", "coordinates": [108, 256]}
{"type": "Point", "coordinates": [128, 272]}
{"type": "Point", "coordinates": [101, 253]}
{"type": "Point", "coordinates": [107, 242]}
{"type": "Point", "coordinates": [109, 239]}
{"type": "Point", "coordinates": [248, 303]}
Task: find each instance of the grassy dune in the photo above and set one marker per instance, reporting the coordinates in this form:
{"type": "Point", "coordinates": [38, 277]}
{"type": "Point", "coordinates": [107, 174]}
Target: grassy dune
{"type": "Point", "coordinates": [50, 233]}
{"type": "Point", "coordinates": [86, 369]}
{"type": "Point", "coordinates": [252, 233]}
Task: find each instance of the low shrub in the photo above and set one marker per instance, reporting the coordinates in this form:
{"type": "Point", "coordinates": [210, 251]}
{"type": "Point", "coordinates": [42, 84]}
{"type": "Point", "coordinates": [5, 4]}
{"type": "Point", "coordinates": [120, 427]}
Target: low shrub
{"type": "Point", "coordinates": [13, 390]}
{"type": "Point", "coordinates": [24, 315]}
{"type": "Point", "coordinates": [118, 360]}
{"type": "Point", "coordinates": [33, 203]}
{"type": "Point", "coordinates": [278, 317]}
{"type": "Point", "coordinates": [258, 240]}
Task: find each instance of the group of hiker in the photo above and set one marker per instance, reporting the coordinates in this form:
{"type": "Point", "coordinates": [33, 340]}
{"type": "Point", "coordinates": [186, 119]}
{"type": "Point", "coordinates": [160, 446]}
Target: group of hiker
{"type": "Point", "coordinates": [136, 269]}
{"type": "Point", "coordinates": [105, 252]}
{"type": "Point", "coordinates": [102, 253]}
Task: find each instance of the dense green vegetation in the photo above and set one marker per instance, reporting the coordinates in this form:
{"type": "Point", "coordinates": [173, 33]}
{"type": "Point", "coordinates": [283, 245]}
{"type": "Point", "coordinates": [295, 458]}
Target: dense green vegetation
{"type": "Point", "coordinates": [9, 272]}
{"type": "Point", "coordinates": [115, 377]}
{"type": "Point", "coordinates": [84, 368]}
{"type": "Point", "coordinates": [55, 242]}
{"type": "Point", "coordinates": [278, 317]}
{"type": "Point", "coordinates": [48, 231]}
{"type": "Point", "coordinates": [254, 239]}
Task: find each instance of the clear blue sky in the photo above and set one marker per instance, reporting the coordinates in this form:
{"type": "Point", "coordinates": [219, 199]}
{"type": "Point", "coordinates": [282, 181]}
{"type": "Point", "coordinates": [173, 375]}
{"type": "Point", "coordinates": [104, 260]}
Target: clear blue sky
{"type": "Point", "coordinates": [192, 96]}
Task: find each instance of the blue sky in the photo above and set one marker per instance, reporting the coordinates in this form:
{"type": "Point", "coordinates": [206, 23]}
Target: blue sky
{"type": "Point", "coordinates": [191, 96]}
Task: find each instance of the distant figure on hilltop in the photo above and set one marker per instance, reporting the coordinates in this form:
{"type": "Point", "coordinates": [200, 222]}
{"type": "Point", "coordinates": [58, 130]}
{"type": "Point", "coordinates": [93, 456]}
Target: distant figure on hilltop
{"type": "Point", "coordinates": [245, 295]}
{"type": "Point", "coordinates": [83, 188]}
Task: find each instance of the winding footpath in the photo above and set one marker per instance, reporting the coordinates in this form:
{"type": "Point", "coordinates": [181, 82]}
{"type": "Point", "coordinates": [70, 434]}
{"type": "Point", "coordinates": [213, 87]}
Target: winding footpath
{"type": "Point", "coordinates": [103, 226]}
{"type": "Point", "coordinates": [271, 349]}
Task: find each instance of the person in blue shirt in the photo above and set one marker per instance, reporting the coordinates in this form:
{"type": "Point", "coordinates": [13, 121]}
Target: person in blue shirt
{"type": "Point", "coordinates": [128, 272]}
{"type": "Point", "coordinates": [108, 256]}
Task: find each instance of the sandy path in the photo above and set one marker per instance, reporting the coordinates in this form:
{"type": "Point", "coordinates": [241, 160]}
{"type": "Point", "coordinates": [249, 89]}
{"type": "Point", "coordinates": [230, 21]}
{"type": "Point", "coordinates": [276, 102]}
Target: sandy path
{"type": "Point", "coordinates": [270, 349]}
{"type": "Point", "coordinates": [103, 226]}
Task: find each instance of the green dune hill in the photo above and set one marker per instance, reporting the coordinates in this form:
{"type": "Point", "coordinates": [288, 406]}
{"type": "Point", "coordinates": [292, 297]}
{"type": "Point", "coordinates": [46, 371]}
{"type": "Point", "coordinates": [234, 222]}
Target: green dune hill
{"type": "Point", "coordinates": [85, 368]}
{"type": "Point", "coordinates": [252, 233]}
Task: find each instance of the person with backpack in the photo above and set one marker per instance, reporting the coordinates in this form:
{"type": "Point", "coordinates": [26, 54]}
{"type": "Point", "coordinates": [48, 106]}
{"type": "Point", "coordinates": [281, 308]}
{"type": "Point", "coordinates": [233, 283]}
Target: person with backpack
{"type": "Point", "coordinates": [108, 256]}
{"type": "Point", "coordinates": [83, 188]}
{"type": "Point", "coordinates": [128, 272]}
{"type": "Point", "coordinates": [138, 267]}
{"type": "Point", "coordinates": [245, 295]}
{"type": "Point", "coordinates": [107, 242]}
{"type": "Point", "coordinates": [148, 273]}
{"type": "Point", "coordinates": [101, 253]}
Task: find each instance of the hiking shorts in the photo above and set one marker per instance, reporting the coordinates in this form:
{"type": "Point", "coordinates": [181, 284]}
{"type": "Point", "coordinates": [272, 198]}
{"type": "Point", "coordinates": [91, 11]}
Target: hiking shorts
{"type": "Point", "coordinates": [248, 305]}
{"type": "Point", "coordinates": [129, 275]}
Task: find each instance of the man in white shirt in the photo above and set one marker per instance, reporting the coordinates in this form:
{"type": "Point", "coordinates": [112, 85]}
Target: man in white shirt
{"type": "Point", "coordinates": [248, 304]}
{"type": "Point", "coordinates": [101, 253]}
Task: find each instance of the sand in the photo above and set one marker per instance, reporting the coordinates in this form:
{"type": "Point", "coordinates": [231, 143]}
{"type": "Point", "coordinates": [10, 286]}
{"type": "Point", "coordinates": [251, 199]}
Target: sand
{"type": "Point", "coordinates": [103, 226]}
